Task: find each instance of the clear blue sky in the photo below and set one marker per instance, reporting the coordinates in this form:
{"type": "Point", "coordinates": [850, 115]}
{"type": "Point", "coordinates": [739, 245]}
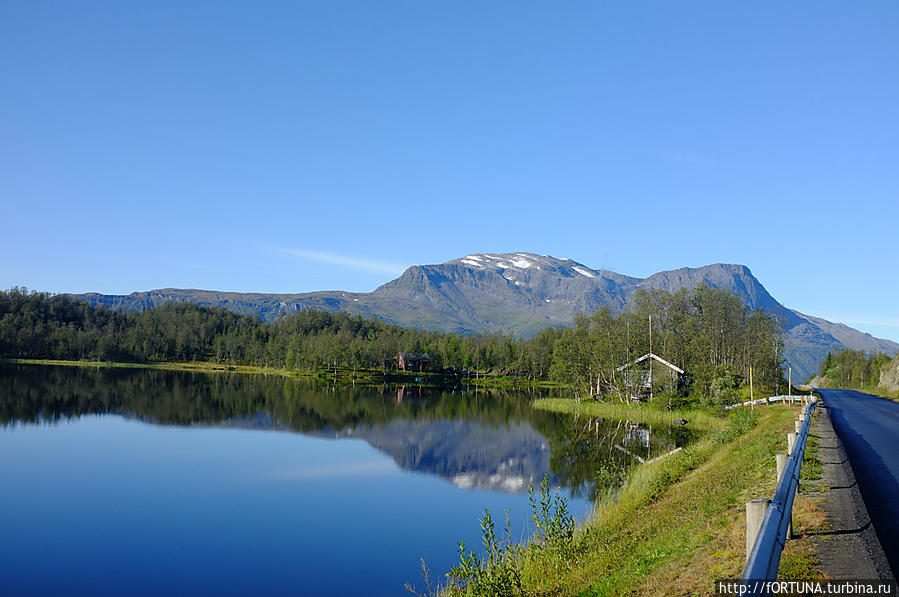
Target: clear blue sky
{"type": "Point", "coordinates": [298, 146]}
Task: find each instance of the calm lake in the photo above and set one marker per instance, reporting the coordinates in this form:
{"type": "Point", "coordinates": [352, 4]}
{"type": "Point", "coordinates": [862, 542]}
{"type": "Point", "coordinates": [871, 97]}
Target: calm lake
{"type": "Point", "coordinates": [143, 482]}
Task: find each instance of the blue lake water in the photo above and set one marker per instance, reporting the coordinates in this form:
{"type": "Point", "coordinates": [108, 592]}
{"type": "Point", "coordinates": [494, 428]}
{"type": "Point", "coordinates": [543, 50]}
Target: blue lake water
{"type": "Point", "coordinates": [135, 482]}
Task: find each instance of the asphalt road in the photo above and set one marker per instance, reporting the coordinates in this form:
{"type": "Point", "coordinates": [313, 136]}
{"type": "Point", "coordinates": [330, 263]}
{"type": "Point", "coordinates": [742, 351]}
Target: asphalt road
{"type": "Point", "coordinates": [868, 427]}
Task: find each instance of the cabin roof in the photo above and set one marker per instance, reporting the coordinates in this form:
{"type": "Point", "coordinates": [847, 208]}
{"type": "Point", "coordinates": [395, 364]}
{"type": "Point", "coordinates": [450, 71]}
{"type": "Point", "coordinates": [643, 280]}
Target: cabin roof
{"type": "Point", "coordinates": [650, 355]}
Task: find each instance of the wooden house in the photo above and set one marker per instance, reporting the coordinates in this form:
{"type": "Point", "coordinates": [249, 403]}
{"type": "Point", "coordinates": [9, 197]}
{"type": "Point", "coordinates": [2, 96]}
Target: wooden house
{"type": "Point", "coordinates": [413, 361]}
{"type": "Point", "coordinates": [641, 380]}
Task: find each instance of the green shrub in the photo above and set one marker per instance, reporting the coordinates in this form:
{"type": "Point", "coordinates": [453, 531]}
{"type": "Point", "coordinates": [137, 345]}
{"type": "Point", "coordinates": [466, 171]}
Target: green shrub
{"type": "Point", "coordinates": [723, 389]}
{"type": "Point", "coordinates": [499, 571]}
{"type": "Point", "coordinates": [739, 422]}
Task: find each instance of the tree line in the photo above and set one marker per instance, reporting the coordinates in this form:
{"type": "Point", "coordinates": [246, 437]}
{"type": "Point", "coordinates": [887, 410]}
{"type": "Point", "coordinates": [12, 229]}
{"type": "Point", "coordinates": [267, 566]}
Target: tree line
{"type": "Point", "coordinates": [707, 332]}
{"type": "Point", "coordinates": [852, 369]}
{"type": "Point", "coordinates": [43, 326]}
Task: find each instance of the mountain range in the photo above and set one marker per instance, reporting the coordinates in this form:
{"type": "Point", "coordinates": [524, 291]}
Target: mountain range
{"type": "Point", "coordinates": [521, 293]}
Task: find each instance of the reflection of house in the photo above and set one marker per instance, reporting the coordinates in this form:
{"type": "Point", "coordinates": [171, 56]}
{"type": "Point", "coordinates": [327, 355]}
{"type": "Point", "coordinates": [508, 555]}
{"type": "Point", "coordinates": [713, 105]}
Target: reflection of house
{"type": "Point", "coordinates": [413, 361]}
{"type": "Point", "coordinates": [641, 381]}
{"type": "Point", "coordinates": [638, 435]}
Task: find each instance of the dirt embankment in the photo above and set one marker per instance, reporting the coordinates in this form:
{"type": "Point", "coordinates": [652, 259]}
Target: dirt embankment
{"type": "Point", "coordinates": [889, 375]}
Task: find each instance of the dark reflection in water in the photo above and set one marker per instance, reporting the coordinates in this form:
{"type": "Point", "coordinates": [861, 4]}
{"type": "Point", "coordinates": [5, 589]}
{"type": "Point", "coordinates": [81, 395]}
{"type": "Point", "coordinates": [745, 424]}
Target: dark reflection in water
{"type": "Point", "coordinates": [482, 440]}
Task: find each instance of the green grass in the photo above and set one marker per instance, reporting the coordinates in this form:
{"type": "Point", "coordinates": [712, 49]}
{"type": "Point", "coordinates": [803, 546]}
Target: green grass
{"type": "Point", "coordinates": [879, 391]}
{"type": "Point", "coordinates": [798, 564]}
{"type": "Point", "coordinates": [650, 415]}
{"type": "Point", "coordinates": [674, 527]}
{"type": "Point", "coordinates": [507, 382]}
{"type": "Point", "coordinates": [812, 468]}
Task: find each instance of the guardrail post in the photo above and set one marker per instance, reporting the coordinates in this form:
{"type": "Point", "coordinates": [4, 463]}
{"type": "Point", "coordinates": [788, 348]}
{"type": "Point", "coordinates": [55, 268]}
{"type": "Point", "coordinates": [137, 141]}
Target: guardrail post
{"type": "Point", "coordinates": [797, 425]}
{"type": "Point", "coordinates": [781, 460]}
{"type": "Point", "coordinates": [765, 543]}
{"type": "Point", "coordinates": [755, 513]}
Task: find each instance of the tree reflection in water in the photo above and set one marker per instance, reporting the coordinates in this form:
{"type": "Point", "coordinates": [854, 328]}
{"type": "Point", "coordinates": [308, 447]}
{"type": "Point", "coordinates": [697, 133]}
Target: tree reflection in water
{"type": "Point", "coordinates": [486, 439]}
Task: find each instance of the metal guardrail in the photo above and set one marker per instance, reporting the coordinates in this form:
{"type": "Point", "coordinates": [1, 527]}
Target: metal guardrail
{"type": "Point", "coordinates": [764, 559]}
{"type": "Point", "coordinates": [791, 399]}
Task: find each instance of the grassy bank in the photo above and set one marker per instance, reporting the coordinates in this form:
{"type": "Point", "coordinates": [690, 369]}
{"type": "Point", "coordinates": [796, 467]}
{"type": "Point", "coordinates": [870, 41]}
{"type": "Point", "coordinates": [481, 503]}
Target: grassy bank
{"type": "Point", "coordinates": [676, 525]}
{"type": "Point", "coordinates": [698, 419]}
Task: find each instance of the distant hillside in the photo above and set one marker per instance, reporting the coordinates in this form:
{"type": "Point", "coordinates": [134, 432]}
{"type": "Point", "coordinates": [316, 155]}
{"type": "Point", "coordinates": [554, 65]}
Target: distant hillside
{"type": "Point", "coordinates": [522, 293]}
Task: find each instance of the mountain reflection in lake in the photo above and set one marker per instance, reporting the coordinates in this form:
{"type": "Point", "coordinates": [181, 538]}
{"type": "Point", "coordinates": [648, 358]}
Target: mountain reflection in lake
{"type": "Point", "coordinates": [430, 463]}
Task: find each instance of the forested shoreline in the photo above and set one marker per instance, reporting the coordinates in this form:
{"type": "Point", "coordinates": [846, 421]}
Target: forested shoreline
{"type": "Point", "coordinates": [855, 370]}
{"type": "Point", "coordinates": [707, 332]}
